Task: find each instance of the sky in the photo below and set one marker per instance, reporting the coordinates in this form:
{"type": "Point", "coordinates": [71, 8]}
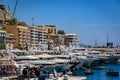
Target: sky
{"type": "Point", "coordinates": [90, 19]}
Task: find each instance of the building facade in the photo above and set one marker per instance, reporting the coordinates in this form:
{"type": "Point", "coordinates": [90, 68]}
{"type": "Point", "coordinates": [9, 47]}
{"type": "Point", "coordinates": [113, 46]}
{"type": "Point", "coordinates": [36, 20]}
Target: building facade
{"type": "Point", "coordinates": [5, 15]}
{"type": "Point", "coordinates": [21, 33]}
{"type": "Point", "coordinates": [42, 35]}
{"type": "Point", "coordinates": [49, 30]}
{"type": "Point", "coordinates": [58, 39]}
{"type": "Point", "coordinates": [2, 37]}
{"type": "Point", "coordinates": [37, 36]}
{"type": "Point", "coordinates": [71, 39]}
{"type": "Point", "coordinates": [11, 38]}
{"type": "Point", "coordinates": [23, 36]}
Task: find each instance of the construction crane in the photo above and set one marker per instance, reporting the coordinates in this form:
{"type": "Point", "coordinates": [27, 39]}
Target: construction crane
{"type": "Point", "coordinates": [15, 8]}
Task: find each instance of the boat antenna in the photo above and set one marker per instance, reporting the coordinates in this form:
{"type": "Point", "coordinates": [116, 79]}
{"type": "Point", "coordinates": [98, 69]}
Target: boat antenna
{"type": "Point", "coordinates": [72, 24]}
{"type": "Point", "coordinates": [107, 37]}
{"type": "Point", "coordinates": [95, 42]}
{"type": "Point", "coordinates": [33, 21]}
{"type": "Point", "coordinates": [107, 40]}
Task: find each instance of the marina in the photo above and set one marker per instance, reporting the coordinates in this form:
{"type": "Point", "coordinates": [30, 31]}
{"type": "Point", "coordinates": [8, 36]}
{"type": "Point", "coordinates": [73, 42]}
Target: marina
{"type": "Point", "coordinates": [76, 62]}
{"type": "Point", "coordinates": [59, 40]}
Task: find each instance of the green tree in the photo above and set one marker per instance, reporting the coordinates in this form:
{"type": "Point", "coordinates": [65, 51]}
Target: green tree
{"type": "Point", "coordinates": [61, 32]}
{"type": "Point", "coordinates": [19, 46]}
{"type": "Point", "coordinates": [13, 21]}
{"type": "Point", "coordinates": [103, 46]}
{"type": "Point", "coordinates": [22, 24]}
{"type": "Point", "coordinates": [2, 46]}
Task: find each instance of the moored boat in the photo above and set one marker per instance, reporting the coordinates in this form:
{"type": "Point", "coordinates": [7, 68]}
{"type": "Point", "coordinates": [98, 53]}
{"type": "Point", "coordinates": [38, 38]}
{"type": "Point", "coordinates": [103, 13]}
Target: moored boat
{"type": "Point", "coordinates": [112, 73]}
{"type": "Point", "coordinates": [89, 71]}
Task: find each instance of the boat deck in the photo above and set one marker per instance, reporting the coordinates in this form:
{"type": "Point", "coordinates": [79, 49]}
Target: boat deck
{"type": "Point", "coordinates": [70, 78]}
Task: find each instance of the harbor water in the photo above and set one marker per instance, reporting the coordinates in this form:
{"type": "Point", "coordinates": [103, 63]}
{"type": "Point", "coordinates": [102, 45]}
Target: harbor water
{"type": "Point", "coordinates": [101, 74]}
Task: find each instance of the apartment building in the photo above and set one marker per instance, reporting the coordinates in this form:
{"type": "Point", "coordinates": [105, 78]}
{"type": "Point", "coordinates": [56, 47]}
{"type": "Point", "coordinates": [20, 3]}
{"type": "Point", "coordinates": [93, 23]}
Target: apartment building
{"type": "Point", "coordinates": [21, 33]}
{"type": "Point", "coordinates": [11, 39]}
{"type": "Point", "coordinates": [42, 35]}
{"type": "Point", "coordinates": [58, 39]}
{"type": "Point", "coordinates": [23, 36]}
{"type": "Point", "coordinates": [5, 15]}
{"type": "Point", "coordinates": [2, 37]}
{"type": "Point", "coordinates": [37, 36]}
{"type": "Point", "coordinates": [49, 30]}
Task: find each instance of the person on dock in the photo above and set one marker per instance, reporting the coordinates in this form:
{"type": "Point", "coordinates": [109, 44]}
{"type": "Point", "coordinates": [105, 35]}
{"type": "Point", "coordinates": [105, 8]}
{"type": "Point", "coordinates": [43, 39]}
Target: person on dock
{"type": "Point", "coordinates": [65, 77]}
{"type": "Point", "coordinates": [51, 76]}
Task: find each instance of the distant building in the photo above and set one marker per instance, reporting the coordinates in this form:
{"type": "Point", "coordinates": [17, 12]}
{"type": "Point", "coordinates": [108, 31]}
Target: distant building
{"type": "Point", "coordinates": [23, 36]}
{"type": "Point", "coordinates": [11, 39]}
{"type": "Point", "coordinates": [21, 33]}
{"type": "Point", "coordinates": [2, 37]}
{"type": "Point", "coordinates": [5, 15]}
{"type": "Point", "coordinates": [49, 30]}
{"type": "Point", "coordinates": [58, 39]}
{"type": "Point", "coordinates": [37, 36]}
{"type": "Point", "coordinates": [71, 39]}
{"type": "Point", "coordinates": [2, 14]}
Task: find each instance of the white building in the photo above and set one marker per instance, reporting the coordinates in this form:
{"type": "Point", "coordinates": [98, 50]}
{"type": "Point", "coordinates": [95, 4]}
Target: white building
{"type": "Point", "coordinates": [37, 36]}
{"type": "Point", "coordinates": [71, 38]}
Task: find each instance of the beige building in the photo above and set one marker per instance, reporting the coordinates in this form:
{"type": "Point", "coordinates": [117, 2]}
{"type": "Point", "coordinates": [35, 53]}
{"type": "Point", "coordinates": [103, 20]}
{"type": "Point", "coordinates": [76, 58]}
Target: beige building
{"type": "Point", "coordinates": [58, 39]}
{"type": "Point", "coordinates": [50, 30]}
{"type": "Point", "coordinates": [23, 36]}
{"type": "Point", "coordinates": [21, 33]}
{"type": "Point", "coordinates": [11, 38]}
{"type": "Point", "coordinates": [5, 15]}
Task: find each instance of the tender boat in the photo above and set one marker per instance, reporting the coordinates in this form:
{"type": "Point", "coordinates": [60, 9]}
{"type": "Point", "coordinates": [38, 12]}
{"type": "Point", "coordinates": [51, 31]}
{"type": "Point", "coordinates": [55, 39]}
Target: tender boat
{"type": "Point", "coordinates": [89, 71]}
{"type": "Point", "coordinates": [112, 73]}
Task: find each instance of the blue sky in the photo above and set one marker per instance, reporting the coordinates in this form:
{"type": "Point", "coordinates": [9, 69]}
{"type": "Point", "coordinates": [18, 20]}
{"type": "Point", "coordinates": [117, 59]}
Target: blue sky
{"type": "Point", "coordinates": [90, 19]}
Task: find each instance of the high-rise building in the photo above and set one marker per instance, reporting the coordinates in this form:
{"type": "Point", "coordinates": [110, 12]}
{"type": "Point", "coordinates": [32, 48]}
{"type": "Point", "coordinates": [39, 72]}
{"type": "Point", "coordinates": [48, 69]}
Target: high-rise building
{"type": "Point", "coordinates": [37, 36]}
